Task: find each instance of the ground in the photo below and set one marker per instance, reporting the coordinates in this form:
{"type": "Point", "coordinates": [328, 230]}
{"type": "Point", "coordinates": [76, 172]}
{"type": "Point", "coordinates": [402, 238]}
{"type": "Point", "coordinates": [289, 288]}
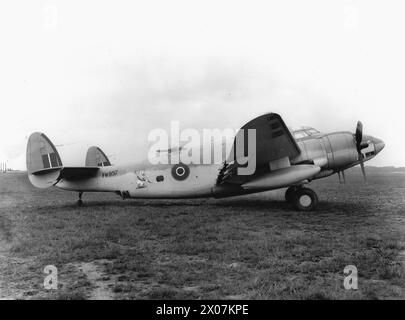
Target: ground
{"type": "Point", "coordinates": [252, 247]}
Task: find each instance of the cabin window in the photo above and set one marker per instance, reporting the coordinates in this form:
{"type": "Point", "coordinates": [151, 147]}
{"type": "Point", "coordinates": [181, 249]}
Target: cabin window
{"type": "Point", "coordinates": [303, 133]}
{"type": "Point", "coordinates": [160, 178]}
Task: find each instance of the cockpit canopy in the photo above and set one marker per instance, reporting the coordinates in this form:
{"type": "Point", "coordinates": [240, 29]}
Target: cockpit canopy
{"type": "Point", "coordinates": [304, 132]}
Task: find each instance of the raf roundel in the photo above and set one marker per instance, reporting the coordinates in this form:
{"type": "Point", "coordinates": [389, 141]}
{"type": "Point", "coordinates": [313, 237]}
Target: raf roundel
{"type": "Point", "coordinates": [180, 172]}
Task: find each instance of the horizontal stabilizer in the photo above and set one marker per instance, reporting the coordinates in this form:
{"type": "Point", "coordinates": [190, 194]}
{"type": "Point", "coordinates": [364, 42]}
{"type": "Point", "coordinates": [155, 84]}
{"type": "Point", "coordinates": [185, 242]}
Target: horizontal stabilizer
{"type": "Point", "coordinates": [78, 173]}
{"type": "Point", "coordinates": [70, 173]}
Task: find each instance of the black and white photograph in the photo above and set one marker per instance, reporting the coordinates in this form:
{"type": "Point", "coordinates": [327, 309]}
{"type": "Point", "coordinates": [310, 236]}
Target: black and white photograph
{"type": "Point", "coordinates": [189, 151]}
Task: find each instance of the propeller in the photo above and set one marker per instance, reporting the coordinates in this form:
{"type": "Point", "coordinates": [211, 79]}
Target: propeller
{"type": "Point", "coordinates": [359, 146]}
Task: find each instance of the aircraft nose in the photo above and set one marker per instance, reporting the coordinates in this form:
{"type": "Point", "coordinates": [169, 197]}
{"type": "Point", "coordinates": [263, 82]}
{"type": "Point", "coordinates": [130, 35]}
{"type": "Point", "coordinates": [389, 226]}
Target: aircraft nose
{"type": "Point", "coordinates": [378, 144]}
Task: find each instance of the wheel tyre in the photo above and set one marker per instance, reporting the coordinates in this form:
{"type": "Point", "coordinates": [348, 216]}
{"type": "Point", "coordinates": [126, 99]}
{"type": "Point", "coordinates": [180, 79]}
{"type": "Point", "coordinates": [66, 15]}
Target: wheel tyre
{"type": "Point", "coordinates": [305, 199]}
{"type": "Point", "coordinates": [289, 194]}
{"type": "Point", "coordinates": [79, 203]}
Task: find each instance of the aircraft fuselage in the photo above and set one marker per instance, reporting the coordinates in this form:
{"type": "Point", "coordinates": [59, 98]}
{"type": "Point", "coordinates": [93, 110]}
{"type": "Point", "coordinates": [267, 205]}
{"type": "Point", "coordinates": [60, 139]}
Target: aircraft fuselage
{"type": "Point", "coordinates": [333, 152]}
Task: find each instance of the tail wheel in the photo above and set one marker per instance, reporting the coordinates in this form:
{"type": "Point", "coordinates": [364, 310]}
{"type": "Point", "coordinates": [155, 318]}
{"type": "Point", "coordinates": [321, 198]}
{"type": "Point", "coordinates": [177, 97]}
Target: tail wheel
{"type": "Point", "coordinates": [305, 199]}
{"type": "Point", "coordinates": [80, 201]}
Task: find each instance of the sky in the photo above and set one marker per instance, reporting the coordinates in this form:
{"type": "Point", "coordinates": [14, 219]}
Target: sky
{"type": "Point", "coordinates": [106, 73]}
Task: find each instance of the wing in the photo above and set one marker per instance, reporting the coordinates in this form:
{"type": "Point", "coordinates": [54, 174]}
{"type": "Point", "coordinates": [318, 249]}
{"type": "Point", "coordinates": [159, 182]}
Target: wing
{"type": "Point", "coordinates": [275, 146]}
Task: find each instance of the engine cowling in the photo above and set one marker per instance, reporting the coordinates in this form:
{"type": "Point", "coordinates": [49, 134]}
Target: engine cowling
{"type": "Point", "coordinates": [283, 177]}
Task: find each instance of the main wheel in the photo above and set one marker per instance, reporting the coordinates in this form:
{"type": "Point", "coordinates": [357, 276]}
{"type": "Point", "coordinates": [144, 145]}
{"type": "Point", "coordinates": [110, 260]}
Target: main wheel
{"type": "Point", "coordinates": [289, 194]}
{"type": "Point", "coordinates": [305, 199]}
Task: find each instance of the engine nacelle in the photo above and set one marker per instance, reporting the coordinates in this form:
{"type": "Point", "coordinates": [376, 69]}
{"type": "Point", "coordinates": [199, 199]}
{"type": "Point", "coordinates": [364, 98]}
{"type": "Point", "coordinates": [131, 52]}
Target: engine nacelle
{"type": "Point", "coordinates": [283, 177]}
{"type": "Point", "coordinates": [343, 150]}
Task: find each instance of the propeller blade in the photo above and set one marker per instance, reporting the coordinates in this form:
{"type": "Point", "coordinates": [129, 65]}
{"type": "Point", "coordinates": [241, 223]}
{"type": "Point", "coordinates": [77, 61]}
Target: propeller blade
{"type": "Point", "coordinates": [359, 135]}
{"type": "Point", "coordinates": [359, 146]}
{"type": "Point", "coordinates": [363, 170]}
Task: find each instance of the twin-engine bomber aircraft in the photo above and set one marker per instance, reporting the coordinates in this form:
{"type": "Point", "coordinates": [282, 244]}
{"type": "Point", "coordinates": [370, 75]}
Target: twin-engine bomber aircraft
{"type": "Point", "coordinates": [283, 159]}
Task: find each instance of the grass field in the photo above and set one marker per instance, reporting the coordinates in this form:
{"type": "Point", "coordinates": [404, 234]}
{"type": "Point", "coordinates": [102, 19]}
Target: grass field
{"type": "Point", "coordinates": [252, 247]}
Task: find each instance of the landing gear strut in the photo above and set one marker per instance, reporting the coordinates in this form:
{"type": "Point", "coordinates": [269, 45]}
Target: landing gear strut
{"type": "Point", "coordinates": [80, 201]}
{"type": "Point", "coordinates": [289, 194]}
{"type": "Point", "coordinates": [303, 199]}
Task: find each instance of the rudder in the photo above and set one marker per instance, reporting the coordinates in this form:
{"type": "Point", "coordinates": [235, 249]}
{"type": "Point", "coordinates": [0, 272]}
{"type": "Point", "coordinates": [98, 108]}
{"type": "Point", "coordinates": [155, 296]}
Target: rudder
{"type": "Point", "coordinates": [43, 161]}
{"type": "Point", "coordinates": [95, 157]}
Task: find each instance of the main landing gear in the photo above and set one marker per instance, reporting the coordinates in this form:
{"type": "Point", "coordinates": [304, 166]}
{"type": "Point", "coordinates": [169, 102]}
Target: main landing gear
{"type": "Point", "coordinates": [80, 201]}
{"type": "Point", "coordinates": [303, 199]}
